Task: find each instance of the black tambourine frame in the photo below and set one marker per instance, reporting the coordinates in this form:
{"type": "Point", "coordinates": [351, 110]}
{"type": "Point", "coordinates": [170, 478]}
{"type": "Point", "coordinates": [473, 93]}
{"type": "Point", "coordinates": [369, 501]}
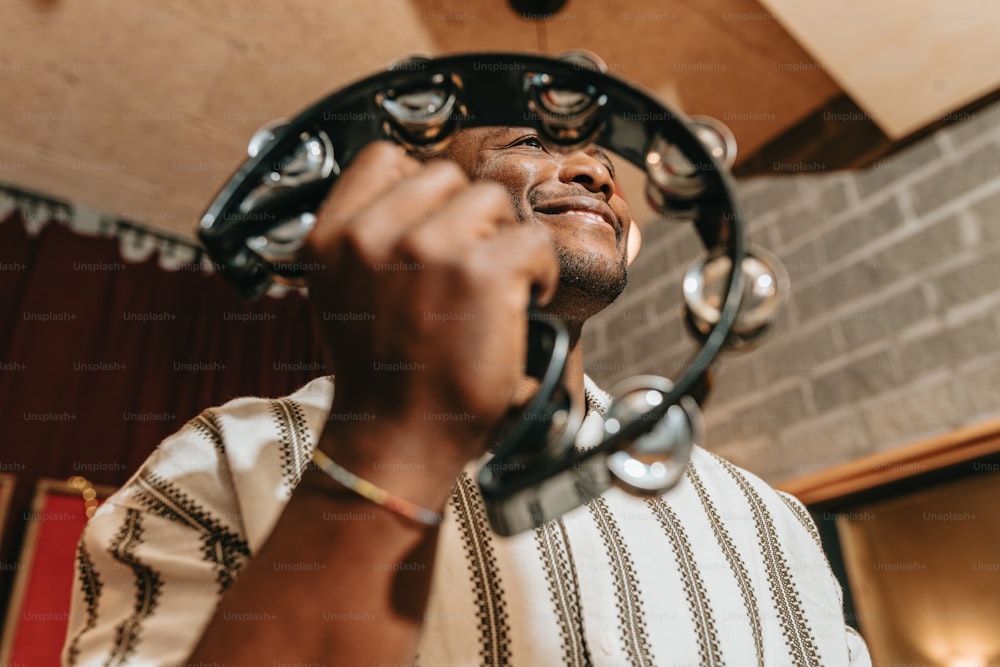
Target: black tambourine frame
{"type": "Point", "coordinates": [536, 472]}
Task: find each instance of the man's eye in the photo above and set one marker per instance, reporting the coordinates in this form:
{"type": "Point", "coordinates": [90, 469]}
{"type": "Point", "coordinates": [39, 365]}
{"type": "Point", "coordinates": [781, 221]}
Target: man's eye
{"type": "Point", "coordinates": [532, 141]}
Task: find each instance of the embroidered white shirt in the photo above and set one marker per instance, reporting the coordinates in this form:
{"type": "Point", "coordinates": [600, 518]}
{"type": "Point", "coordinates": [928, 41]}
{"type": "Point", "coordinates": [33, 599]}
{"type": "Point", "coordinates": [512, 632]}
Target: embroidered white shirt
{"type": "Point", "coordinates": [722, 570]}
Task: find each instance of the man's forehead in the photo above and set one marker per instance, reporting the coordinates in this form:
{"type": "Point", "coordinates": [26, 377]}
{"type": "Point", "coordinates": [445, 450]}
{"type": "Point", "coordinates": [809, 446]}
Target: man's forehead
{"type": "Point", "coordinates": [490, 133]}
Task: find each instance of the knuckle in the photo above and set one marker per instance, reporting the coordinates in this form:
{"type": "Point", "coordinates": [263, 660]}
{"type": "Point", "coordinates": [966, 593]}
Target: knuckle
{"type": "Point", "coordinates": [382, 151]}
{"type": "Point", "coordinates": [352, 243]}
{"type": "Point", "coordinates": [384, 158]}
{"type": "Point", "coordinates": [492, 195]}
{"type": "Point", "coordinates": [492, 189]}
{"type": "Point", "coordinates": [533, 237]}
{"type": "Point", "coordinates": [447, 169]}
{"type": "Point", "coordinates": [415, 247]}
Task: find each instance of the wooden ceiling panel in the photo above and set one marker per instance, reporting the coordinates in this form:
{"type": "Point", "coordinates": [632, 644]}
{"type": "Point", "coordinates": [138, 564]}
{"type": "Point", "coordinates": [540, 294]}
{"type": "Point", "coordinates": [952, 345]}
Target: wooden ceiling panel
{"type": "Point", "coordinates": [907, 63]}
{"type": "Point", "coordinates": [171, 90]}
{"type": "Point", "coordinates": [721, 58]}
{"type": "Point", "coordinates": [107, 52]}
{"type": "Point", "coordinates": [136, 199]}
{"type": "Point", "coordinates": [727, 77]}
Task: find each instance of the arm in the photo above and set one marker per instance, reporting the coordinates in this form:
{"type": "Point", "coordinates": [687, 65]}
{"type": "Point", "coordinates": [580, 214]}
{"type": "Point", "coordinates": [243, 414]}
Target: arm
{"type": "Point", "coordinates": [334, 579]}
{"type": "Point", "coordinates": [857, 650]}
{"type": "Point", "coordinates": [339, 580]}
{"type": "Point", "coordinates": [360, 593]}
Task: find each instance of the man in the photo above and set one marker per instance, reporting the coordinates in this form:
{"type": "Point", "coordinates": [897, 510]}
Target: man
{"type": "Point", "coordinates": [436, 272]}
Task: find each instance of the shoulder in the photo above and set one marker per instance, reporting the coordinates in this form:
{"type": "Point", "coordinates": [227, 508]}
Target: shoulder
{"type": "Point", "coordinates": [235, 464]}
{"type": "Point", "coordinates": [184, 525]}
{"type": "Point", "coordinates": [714, 476]}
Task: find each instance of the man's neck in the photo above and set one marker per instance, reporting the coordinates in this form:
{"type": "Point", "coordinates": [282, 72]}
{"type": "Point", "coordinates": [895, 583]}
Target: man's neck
{"type": "Point", "coordinates": [572, 376]}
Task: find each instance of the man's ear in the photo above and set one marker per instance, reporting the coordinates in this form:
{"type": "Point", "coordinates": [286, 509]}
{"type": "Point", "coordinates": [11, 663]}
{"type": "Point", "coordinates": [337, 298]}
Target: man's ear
{"type": "Point", "coordinates": [634, 241]}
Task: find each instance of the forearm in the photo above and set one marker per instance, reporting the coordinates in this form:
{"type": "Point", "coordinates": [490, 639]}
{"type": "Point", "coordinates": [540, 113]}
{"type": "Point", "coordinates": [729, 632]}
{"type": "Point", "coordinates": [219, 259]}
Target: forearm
{"type": "Point", "coordinates": [339, 580]}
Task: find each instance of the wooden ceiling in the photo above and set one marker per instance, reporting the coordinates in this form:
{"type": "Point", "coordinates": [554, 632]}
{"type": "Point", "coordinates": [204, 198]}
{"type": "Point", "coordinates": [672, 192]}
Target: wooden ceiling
{"type": "Point", "coordinates": [907, 63]}
{"type": "Point", "coordinates": [144, 108]}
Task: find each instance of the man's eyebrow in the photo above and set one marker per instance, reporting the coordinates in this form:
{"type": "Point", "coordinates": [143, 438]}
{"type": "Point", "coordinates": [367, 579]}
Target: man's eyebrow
{"type": "Point", "coordinates": [498, 131]}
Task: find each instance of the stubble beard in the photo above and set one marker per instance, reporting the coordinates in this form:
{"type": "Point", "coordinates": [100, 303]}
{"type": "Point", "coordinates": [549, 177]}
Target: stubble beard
{"type": "Point", "coordinates": [595, 278]}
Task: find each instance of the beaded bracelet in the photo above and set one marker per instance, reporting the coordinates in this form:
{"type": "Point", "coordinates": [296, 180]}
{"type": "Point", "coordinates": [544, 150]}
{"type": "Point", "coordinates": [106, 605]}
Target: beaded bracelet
{"type": "Point", "coordinates": [376, 494]}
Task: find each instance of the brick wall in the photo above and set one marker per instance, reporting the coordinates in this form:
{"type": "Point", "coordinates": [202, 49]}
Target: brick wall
{"type": "Point", "coordinates": [892, 330]}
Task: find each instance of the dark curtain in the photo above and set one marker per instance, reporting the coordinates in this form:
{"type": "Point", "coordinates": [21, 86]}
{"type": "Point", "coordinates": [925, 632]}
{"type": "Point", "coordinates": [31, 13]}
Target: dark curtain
{"type": "Point", "coordinates": [101, 358]}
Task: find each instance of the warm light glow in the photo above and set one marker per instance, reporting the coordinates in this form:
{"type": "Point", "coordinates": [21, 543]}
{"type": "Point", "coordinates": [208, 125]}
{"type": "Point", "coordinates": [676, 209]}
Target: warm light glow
{"type": "Point", "coordinates": [967, 661]}
{"type": "Point", "coordinates": [961, 647]}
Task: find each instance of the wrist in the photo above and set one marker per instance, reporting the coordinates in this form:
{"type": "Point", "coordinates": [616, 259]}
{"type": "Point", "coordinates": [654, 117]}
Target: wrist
{"type": "Point", "coordinates": [410, 463]}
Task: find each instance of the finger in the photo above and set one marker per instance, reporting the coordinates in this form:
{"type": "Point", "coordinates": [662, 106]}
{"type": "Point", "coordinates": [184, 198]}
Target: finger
{"type": "Point", "coordinates": [474, 213]}
{"type": "Point", "coordinates": [414, 197]}
{"type": "Point", "coordinates": [378, 225]}
{"type": "Point", "coordinates": [527, 252]}
{"type": "Point", "coordinates": [375, 170]}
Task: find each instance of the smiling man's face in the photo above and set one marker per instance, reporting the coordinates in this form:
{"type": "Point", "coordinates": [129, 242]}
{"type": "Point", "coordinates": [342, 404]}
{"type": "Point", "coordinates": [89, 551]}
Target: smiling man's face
{"type": "Point", "coordinates": [572, 194]}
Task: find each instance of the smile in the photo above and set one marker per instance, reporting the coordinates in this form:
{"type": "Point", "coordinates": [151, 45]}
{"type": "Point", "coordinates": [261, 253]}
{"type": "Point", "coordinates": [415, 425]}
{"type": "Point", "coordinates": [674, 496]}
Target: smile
{"type": "Point", "coordinates": [582, 209]}
{"type": "Point", "coordinates": [584, 215]}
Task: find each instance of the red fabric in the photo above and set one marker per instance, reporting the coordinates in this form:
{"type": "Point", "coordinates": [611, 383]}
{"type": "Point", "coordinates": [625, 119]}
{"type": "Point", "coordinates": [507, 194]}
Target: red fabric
{"type": "Point", "coordinates": [44, 613]}
{"type": "Point", "coordinates": [87, 389]}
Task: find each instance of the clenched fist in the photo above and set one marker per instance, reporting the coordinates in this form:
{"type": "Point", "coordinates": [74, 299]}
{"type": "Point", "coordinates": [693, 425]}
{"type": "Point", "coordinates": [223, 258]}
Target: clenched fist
{"type": "Point", "coordinates": [422, 294]}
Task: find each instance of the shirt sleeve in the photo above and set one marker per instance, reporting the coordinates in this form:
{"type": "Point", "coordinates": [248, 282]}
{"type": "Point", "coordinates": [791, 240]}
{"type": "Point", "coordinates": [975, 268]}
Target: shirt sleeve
{"type": "Point", "coordinates": [155, 559]}
{"type": "Point", "coordinates": [857, 650]}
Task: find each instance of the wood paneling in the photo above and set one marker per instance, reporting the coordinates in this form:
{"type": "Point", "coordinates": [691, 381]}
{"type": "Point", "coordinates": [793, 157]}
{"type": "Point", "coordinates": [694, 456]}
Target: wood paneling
{"type": "Point", "coordinates": [907, 63]}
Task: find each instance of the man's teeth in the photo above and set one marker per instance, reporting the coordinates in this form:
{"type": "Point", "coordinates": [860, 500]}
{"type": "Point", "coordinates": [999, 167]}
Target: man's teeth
{"type": "Point", "coordinates": [593, 217]}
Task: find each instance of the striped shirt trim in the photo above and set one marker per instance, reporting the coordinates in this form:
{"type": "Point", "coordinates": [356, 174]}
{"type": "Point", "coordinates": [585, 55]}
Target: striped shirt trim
{"type": "Point", "coordinates": [735, 561]}
{"type": "Point", "coordinates": [850, 648]}
{"type": "Point", "coordinates": [631, 615]}
{"type": "Point", "coordinates": [148, 584]}
{"type": "Point", "coordinates": [294, 438]}
{"type": "Point", "coordinates": [220, 546]}
{"type": "Point", "coordinates": [208, 426]}
{"type": "Point", "coordinates": [694, 586]}
{"type": "Point", "coordinates": [796, 508]}
{"type": "Point", "coordinates": [795, 628]}
{"type": "Point", "coordinates": [494, 626]}
{"type": "Point", "coordinates": [90, 584]}
{"type": "Point", "coordinates": [802, 516]}
{"type": "Point", "coordinates": [564, 590]}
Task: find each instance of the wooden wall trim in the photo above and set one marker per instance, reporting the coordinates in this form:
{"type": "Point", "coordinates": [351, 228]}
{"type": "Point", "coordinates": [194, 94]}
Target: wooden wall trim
{"type": "Point", "coordinates": [827, 143]}
{"type": "Point", "coordinates": [954, 447]}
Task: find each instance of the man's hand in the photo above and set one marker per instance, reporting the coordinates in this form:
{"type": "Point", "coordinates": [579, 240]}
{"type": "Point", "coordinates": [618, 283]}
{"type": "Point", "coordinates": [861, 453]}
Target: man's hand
{"type": "Point", "coordinates": [422, 295]}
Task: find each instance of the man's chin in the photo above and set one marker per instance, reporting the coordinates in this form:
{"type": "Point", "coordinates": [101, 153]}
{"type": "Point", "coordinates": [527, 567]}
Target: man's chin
{"type": "Point", "coordinates": [598, 280]}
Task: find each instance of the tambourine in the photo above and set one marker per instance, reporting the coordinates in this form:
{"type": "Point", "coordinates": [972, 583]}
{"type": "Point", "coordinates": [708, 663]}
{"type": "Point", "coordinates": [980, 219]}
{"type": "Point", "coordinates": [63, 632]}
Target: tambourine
{"type": "Point", "coordinates": [256, 226]}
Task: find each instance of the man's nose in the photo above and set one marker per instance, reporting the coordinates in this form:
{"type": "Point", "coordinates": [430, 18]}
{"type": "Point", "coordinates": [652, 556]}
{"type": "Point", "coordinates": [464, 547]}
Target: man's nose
{"type": "Point", "coordinates": [585, 169]}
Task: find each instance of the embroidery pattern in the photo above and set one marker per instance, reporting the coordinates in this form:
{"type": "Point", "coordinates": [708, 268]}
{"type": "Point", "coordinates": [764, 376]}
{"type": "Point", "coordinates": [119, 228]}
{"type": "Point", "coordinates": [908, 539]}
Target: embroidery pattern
{"type": "Point", "coordinates": [295, 439]}
{"type": "Point", "coordinates": [148, 584]}
{"type": "Point", "coordinates": [631, 617]}
{"type": "Point", "coordinates": [494, 628]}
{"type": "Point", "coordinates": [802, 516]}
{"type": "Point", "coordinates": [90, 584]}
{"type": "Point", "coordinates": [220, 546]}
{"type": "Point", "coordinates": [735, 561]}
{"type": "Point", "coordinates": [694, 586]}
{"type": "Point", "coordinates": [798, 636]}
{"type": "Point", "coordinates": [564, 590]}
{"type": "Point", "coordinates": [208, 426]}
